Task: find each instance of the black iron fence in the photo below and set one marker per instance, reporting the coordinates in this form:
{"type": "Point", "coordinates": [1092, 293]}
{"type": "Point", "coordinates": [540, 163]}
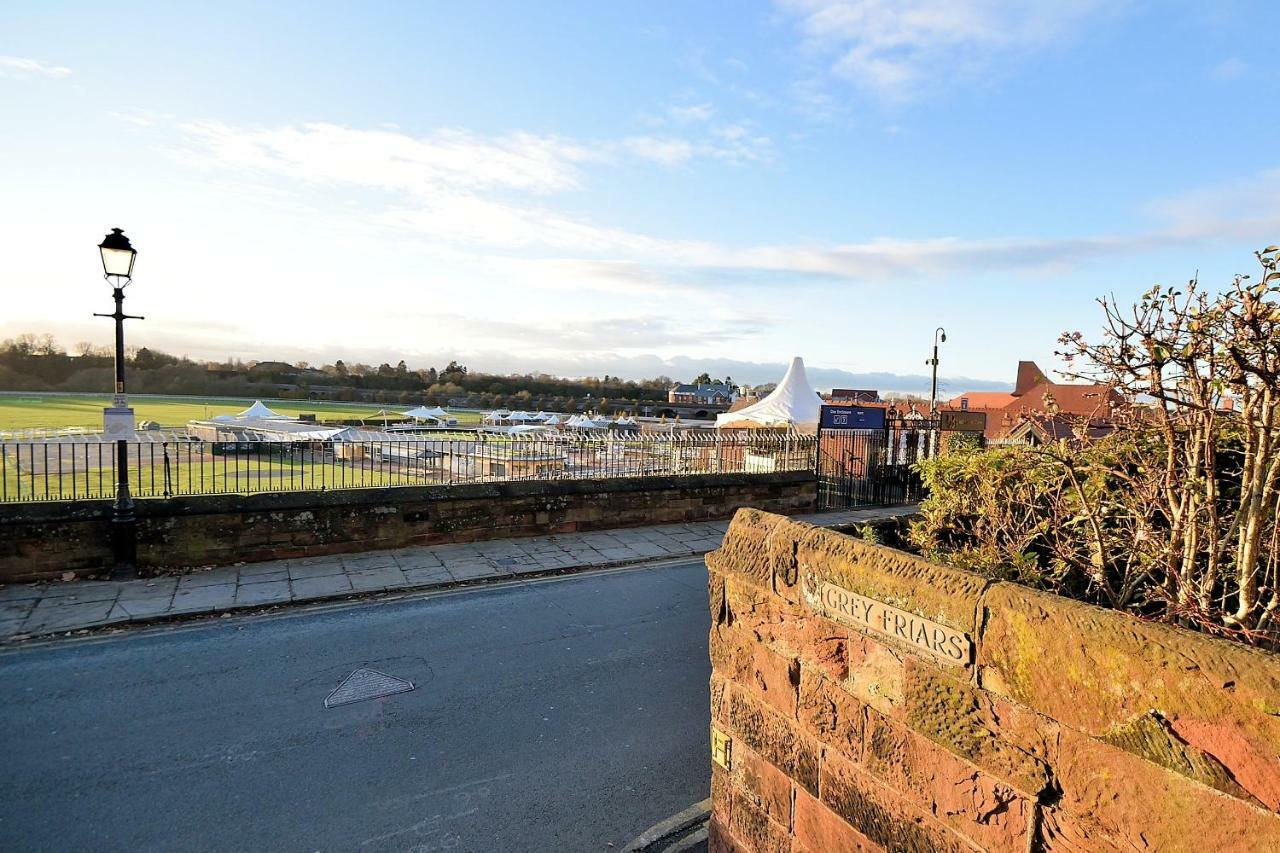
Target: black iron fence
{"type": "Point", "coordinates": [84, 467]}
{"type": "Point", "coordinates": [877, 467]}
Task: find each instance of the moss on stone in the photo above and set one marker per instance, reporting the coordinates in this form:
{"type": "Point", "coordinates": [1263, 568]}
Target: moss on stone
{"type": "Point", "coordinates": [956, 716]}
{"type": "Point", "coordinates": [1150, 737]}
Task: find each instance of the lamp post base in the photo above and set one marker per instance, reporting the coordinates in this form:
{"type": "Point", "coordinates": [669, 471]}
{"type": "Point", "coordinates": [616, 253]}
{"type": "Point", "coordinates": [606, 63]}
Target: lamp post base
{"type": "Point", "coordinates": [124, 546]}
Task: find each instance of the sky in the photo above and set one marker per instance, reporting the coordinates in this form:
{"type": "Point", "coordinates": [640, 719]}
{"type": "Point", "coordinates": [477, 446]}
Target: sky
{"type": "Point", "coordinates": [632, 188]}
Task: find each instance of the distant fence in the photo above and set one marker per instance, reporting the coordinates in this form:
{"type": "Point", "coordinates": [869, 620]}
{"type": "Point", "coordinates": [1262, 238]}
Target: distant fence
{"type": "Point", "coordinates": [74, 468]}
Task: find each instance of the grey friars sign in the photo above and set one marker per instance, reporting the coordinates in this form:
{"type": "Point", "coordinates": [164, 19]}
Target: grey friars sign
{"type": "Point", "coordinates": [876, 617]}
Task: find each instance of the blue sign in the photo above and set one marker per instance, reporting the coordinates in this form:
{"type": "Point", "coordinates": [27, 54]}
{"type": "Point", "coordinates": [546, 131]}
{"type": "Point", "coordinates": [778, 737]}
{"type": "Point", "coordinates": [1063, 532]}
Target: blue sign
{"type": "Point", "coordinates": [852, 417]}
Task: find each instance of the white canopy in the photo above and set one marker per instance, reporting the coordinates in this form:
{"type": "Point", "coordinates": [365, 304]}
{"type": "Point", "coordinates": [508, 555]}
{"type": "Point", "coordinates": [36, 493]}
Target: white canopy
{"type": "Point", "coordinates": [320, 434]}
{"type": "Point", "coordinates": [422, 413]}
{"type": "Point", "coordinates": [358, 434]}
{"type": "Point", "coordinates": [259, 410]}
{"type": "Point", "coordinates": [586, 422]}
{"type": "Point", "coordinates": [793, 402]}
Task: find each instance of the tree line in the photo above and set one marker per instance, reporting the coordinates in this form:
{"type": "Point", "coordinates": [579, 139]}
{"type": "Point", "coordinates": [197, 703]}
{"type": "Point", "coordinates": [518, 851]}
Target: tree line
{"type": "Point", "coordinates": [40, 363]}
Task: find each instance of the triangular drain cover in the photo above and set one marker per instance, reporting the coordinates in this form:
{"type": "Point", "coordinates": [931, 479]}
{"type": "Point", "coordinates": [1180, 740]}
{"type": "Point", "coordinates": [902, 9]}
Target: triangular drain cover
{"type": "Point", "coordinates": [366, 684]}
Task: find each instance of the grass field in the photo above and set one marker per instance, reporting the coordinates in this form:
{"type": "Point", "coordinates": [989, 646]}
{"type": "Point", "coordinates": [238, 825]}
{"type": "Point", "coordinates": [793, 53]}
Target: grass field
{"type": "Point", "coordinates": [224, 475]}
{"type": "Point", "coordinates": [32, 410]}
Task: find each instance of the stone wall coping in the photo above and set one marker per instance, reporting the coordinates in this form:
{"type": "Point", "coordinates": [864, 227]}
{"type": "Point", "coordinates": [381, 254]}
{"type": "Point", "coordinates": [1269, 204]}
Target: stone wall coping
{"type": "Point", "coordinates": [85, 510]}
{"type": "Point", "coordinates": [766, 528]}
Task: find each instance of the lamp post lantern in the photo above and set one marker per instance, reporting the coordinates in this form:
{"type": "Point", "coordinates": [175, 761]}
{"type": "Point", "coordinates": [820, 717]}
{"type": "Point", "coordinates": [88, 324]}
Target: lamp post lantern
{"type": "Point", "coordinates": [939, 337]}
{"type": "Point", "coordinates": [117, 268]}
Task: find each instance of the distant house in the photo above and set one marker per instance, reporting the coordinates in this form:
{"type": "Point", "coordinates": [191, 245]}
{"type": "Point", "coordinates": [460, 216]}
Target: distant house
{"type": "Point", "coordinates": [273, 369]}
{"type": "Point", "coordinates": [1039, 409]}
{"type": "Point", "coordinates": [1039, 429]}
{"type": "Point", "coordinates": [702, 394]}
{"type": "Point", "coordinates": [854, 395]}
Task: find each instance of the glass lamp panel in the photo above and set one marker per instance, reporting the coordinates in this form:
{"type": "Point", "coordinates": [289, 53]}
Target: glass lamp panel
{"type": "Point", "coordinates": [118, 261]}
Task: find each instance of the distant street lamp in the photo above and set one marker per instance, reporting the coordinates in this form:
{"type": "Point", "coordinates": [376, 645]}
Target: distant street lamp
{"type": "Point", "coordinates": [117, 268]}
{"type": "Point", "coordinates": [939, 336]}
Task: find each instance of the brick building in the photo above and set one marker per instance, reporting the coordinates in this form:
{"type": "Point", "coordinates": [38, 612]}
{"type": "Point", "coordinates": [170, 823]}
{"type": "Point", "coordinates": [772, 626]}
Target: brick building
{"type": "Point", "coordinates": [1033, 397]}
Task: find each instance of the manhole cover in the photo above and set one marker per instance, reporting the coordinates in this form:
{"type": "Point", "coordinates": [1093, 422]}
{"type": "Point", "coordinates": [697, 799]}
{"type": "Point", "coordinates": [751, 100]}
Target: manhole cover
{"type": "Point", "coordinates": [504, 561]}
{"type": "Point", "coordinates": [366, 684]}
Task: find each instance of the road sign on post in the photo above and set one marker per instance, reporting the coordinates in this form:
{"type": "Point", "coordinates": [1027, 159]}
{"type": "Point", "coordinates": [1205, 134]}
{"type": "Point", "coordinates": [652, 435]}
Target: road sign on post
{"type": "Point", "coordinates": [852, 417]}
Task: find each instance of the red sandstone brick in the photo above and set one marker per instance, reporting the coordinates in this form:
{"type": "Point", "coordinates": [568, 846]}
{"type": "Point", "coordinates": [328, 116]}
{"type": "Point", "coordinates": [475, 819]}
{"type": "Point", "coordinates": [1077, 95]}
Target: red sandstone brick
{"type": "Point", "coordinates": [980, 806]}
{"type": "Point", "coordinates": [1009, 742]}
{"type": "Point", "coordinates": [744, 551]}
{"type": "Point", "coordinates": [830, 714]}
{"type": "Point", "coordinates": [731, 653]}
{"type": "Point", "coordinates": [819, 829]}
{"type": "Point", "coordinates": [757, 831]}
{"type": "Point", "coordinates": [720, 839]}
{"type": "Point", "coordinates": [882, 814]}
{"type": "Point", "coordinates": [775, 679]}
{"type": "Point", "coordinates": [789, 629]}
{"type": "Point", "coordinates": [1060, 832]}
{"type": "Point", "coordinates": [1129, 801]}
{"type": "Point", "coordinates": [767, 786]}
{"type": "Point", "coordinates": [876, 674]}
{"type": "Point", "coordinates": [721, 794]}
{"type": "Point", "coordinates": [773, 737]}
{"type": "Point", "coordinates": [1113, 668]}
{"type": "Point", "coordinates": [719, 705]}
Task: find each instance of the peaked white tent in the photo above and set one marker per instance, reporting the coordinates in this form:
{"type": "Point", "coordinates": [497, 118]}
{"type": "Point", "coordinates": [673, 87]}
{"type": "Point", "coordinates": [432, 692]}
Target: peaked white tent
{"type": "Point", "coordinates": [793, 403]}
{"type": "Point", "coordinates": [435, 413]}
{"type": "Point", "coordinates": [259, 410]}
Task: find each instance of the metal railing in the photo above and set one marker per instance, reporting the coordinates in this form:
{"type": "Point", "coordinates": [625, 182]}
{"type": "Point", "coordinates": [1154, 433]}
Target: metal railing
{"type": "Point", "coordinates": [71, 468]}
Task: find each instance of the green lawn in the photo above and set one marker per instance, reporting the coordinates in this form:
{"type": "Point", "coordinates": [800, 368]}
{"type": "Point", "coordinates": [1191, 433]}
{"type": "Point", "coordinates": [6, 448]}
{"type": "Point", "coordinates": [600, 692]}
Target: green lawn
{"type": "Point", "coordinates": [80, 474]}
{"type": "Point", "coordinates": [30, 410]}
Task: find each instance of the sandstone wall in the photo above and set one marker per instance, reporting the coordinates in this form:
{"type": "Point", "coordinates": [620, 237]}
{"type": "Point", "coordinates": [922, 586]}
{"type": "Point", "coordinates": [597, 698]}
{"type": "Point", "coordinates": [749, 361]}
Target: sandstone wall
{"type": "Point", "coordinates": [42, 540]}
{"type": "Point", "coordinates": [852, 723]}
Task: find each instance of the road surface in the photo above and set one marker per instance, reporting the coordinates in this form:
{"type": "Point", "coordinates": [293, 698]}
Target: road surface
{"type": "Point", "coordinates": [555, 715]}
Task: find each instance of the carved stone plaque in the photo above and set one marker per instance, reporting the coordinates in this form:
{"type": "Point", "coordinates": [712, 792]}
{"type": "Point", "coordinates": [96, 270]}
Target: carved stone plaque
{"type": "Point", "coordinates": [877, 618]}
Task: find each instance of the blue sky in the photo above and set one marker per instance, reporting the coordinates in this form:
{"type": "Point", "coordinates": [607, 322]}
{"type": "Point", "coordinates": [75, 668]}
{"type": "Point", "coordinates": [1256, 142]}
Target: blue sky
{"type": "Point", "coordinates": [633, 188]}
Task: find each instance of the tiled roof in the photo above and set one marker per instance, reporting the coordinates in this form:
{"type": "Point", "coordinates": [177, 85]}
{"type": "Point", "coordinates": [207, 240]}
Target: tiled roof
{"type": "Point", "coordinates": [1094, 400]}
{"type": "Point", "coordinates": [981, 400]}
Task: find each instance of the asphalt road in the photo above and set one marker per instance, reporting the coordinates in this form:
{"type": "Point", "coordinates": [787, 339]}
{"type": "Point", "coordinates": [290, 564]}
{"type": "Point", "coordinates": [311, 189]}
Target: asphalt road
{"type": "Point", "coordinates": [552, 716]}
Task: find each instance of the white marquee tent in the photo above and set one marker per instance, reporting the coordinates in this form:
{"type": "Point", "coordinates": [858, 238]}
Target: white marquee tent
{"type": "Point", "coordinates": [434, 413]}
{"type": "Point", "coordinates": [259, 410]}
{"type": "Point", "coordinates": [793, 402]}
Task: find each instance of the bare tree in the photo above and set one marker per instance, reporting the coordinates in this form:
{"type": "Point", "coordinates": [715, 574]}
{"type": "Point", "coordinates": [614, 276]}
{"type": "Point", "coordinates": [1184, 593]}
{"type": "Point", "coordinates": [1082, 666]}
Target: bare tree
{"type": "Point", "coordinates": [1206, 370]}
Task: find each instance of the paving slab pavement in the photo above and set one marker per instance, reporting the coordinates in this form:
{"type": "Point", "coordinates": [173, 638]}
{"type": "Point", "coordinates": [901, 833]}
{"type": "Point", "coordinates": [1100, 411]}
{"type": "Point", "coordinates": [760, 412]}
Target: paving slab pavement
{"type": "Point", "coordinates": [30, 610]}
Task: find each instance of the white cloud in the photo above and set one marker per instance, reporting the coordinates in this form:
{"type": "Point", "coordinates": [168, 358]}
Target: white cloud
{"type": "Point", "coordinates": [140, 118]}
{"type": "Point", "coordinates": [456, 190]}
{"type": "Point", "coordinates": [1229, 69]}
{"type": "Point", "coordinates": [667, 150]}
{"type": "Point", "coordinates": [691, 113]}
{"type": "Point", "coordinates": [1247, 209]}
{"type": "Point", "coordinates": [894, 47]}
{"type": "Point", "coordinates": [16, 66]}
{"type": "Point", "coordinates": [448, 159]}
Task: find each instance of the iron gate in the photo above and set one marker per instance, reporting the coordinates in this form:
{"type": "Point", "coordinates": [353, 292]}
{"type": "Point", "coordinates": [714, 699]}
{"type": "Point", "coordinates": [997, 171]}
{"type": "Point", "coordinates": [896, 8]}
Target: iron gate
{"type": "Point", "coordinates": [877, 466]}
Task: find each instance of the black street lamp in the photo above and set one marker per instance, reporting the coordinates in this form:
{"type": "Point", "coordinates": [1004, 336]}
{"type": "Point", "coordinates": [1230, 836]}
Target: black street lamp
{"type": "Point", "coordinates": [117, 268]}
{"type": "Point", "coordinates": [939, 336]}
